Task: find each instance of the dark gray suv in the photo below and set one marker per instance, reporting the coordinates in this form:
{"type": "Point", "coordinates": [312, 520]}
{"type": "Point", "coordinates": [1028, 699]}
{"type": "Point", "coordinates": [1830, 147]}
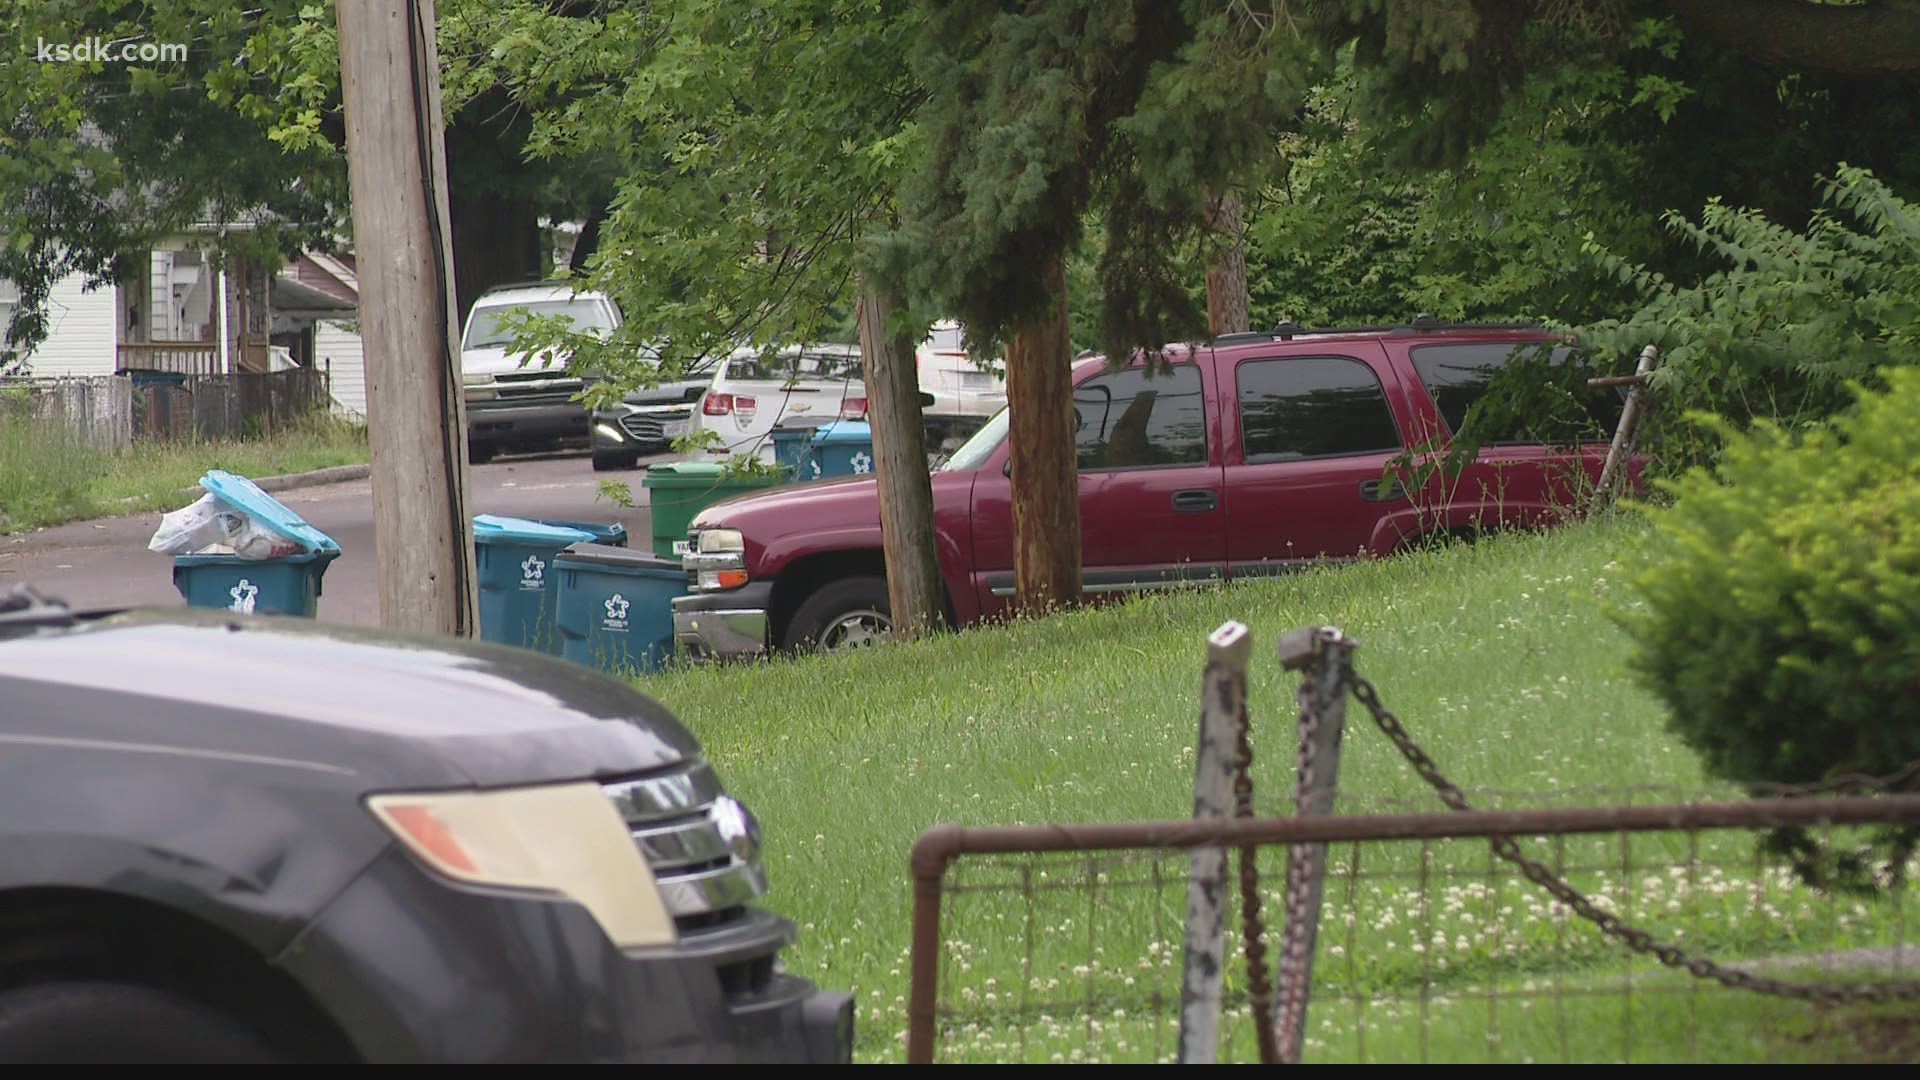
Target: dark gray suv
{"type": "Point", "coordinates": [229, 838]}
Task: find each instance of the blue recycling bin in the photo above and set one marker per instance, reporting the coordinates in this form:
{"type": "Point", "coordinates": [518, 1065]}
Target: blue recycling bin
{"type": "Point", "coordinates": [790, 446]}
{"type": "Point", "coordinates": [513, 558]}
{"type": "Point", "coordinates": [284, 585]}
{"type": "Point", "coordinates": [842, 448]}
{"type": "Point", "coordinates": [612, 533]}
{"type": "Point", "coordinates": [615, 607]}
{"type": "Point", "coordinates": [289, 585]}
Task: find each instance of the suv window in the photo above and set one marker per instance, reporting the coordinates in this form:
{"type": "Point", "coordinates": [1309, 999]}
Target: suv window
{"type": "Point", "coordinates": [1128, 420]}
{"type": "Point", "coordinates": [1312, 406]}
{"type": "Point", "coordinates": [1457, 376]}
{"type": "Point", "coordinates": [490, 327]}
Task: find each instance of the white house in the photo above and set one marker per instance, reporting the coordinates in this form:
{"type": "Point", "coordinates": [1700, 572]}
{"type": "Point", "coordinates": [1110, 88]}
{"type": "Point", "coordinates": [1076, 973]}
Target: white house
{"type": "Point", "coordinates": [163, 318]}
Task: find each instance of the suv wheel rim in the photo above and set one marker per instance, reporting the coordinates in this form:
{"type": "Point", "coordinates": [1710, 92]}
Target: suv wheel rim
{"type": "Point", "coordinates": [855, 630]}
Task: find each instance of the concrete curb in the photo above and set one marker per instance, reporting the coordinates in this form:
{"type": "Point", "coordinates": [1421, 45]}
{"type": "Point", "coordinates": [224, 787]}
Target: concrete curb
{"type": "Point", "coordinates": [338, 474]}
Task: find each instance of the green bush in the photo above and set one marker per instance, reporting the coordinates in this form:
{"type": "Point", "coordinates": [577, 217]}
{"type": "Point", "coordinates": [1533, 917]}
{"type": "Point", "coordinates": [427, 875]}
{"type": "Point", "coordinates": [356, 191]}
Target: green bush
{"type": "Point", "coordinates": [1781, 617]}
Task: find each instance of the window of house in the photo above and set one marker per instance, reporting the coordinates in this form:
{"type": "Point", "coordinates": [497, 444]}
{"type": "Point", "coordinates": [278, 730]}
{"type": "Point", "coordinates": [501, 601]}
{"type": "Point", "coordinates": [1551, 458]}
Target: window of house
{"type": "Point", "coordinates": [1311, 407]}
{"type": "Point", "coordinates": [1457, 376]}
{"type": "Point", "coordinates": [1131, 420]}
{"type": "Point", "coordinates": [9, 301]}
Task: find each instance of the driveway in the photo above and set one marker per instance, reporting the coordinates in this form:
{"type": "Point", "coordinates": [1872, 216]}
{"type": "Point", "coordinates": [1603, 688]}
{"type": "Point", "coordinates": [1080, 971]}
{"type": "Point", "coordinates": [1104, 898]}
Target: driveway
{"type": "Point", "coordinates": [92, 564]}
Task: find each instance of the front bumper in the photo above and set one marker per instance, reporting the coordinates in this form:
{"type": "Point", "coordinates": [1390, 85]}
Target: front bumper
{"type": "Point", "coordinates": [723, 625]}
{"type": "Point", "coordinates": [417, 969]}
{"type": "Point", "coordinates": [500, 423]}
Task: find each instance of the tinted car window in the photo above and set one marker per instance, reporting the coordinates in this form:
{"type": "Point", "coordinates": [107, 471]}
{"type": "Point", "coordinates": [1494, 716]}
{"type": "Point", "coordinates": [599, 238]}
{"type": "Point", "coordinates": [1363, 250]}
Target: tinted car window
{"type": "Point", "coordinates": [1127, 419]}
{"type": "Point", "coordinates": [1312, 406]}
{"type": "Point", "coordinates": [807, 365]}
{"type": "Point", "coordinates": [1457, 376]}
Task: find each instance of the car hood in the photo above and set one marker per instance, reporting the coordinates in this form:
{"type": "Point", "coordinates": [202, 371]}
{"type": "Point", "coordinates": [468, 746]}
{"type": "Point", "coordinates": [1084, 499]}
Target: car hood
{"type": "Point", "coordinates": [380, 711]}
{"type": "Point", "coordinates": [497, 361]}
{"type": "Point", "coordinates": [682, 392]}
{"type": "Point", "coordinates": [817, 506]}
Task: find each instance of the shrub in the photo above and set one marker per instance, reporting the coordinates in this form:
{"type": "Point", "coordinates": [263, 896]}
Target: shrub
{"type": "Point", "coordinates": [1781, 620]}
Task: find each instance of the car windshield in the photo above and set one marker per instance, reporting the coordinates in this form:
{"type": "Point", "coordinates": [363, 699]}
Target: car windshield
{"type": "Point", "coordinates": [491, 327]}
{"type": "Point", "coordinates": [975, 451]}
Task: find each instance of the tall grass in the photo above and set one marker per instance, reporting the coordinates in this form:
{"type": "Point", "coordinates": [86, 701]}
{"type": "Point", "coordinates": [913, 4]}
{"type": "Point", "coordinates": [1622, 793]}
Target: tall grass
{"type": "Point", "coordinates": [49, 474]}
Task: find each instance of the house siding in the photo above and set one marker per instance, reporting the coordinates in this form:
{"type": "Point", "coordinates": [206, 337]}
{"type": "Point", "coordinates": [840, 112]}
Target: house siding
{"type": "Point", "coordinates": [337, 349]}
{"type": "Point", "coordinates": [80, 332]}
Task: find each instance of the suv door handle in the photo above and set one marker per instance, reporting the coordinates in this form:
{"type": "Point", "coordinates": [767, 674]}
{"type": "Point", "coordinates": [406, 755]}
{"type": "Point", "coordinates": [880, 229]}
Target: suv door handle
{"type": "Point", "coordinates": [1371, 491]}
{"type": "Point", "coordinates": [1195, 501]}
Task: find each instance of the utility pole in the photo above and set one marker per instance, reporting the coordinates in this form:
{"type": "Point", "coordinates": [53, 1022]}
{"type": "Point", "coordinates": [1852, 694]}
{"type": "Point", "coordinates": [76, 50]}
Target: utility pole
{"type": "Point", "coordinates": [396, 167]}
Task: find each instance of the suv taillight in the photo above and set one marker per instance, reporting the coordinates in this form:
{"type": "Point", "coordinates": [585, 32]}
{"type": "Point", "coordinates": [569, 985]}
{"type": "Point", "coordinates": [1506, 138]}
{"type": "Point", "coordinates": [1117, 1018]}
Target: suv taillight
{"type": "Point", "coordinates": [853, 408]}
{"type": "Point", "coordinates": [717, 404]}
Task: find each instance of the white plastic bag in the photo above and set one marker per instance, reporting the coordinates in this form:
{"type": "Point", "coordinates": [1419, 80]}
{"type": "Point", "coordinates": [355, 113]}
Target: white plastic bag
{"type": "Point", "coordinates": [210, 526]}
{"type": "Point", "coordinates": [206, 523]}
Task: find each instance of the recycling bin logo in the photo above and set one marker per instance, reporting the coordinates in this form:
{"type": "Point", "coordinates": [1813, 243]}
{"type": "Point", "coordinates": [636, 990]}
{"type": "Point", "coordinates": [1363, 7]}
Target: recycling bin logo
{"type": "Point", "coordinates": [617, 607]}
{"type": "Point", "coordinates": [815, 466]}
{"type": "Point", "coordinates": [244, 596]}
{"type": "Point", "coordinates": [533, 574]}
{"type": "Point", "coordinates": [862, 463]}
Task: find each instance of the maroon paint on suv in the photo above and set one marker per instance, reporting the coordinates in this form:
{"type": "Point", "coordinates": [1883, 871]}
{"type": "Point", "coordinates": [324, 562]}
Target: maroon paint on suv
{"type": "Point", "coordinates": [1247, 458]}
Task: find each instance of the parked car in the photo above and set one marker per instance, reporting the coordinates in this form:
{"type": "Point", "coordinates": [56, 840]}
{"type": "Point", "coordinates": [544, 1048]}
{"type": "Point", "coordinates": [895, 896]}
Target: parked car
{"type": "Point", "coordinates": [649, 418]}
{"type": "Point", "coordinates": [517, 402]}
{"type": "Point", "coordinates": [1247, 458]}
{"type": "Point", "coordinates": [965, 394]}
{"type": "Point", "coordinates": [797, 387]}
{"type": "Point", "coordinates": [231, 838]}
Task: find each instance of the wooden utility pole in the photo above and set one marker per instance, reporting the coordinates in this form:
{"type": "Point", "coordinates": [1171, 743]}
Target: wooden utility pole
{"type": "Point", "coordinates": [914, 594]}
{"type": "Point", "coordinates": [396, 166]}
{"type": "Point", "coordinates": [1227, 272]}
{"type": "Point", "coordinates": [1046, 473]}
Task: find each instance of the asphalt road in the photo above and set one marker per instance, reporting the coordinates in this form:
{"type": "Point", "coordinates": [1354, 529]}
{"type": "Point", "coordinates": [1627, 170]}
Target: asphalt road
{"type": "Point", "coordinates": [92, 564]}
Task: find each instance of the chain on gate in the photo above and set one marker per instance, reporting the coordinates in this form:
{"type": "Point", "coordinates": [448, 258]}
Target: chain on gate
{"type": "Point", "coordinates": [1259, 987]}
{"type": "Point", "coordinates": [1634, 938]}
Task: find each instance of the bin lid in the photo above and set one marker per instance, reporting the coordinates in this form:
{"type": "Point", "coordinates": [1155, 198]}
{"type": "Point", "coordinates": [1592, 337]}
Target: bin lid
{"type": "Point", "coordinates": [492, 528]}
{"type": "Point", "coordinates": [245, 495]}
{"type": "Point", "coordinates": [844, 431]}
{"type": "Point", "coordinates": [608, 557]}
{"type": "Point", "coordinates": [690, 469]}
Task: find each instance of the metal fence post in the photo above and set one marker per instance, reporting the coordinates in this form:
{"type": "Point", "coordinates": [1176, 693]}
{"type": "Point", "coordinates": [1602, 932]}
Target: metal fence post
{"type": "Point", "coordinates": [1223, 693]}
{"type": "Point", "coordinates": [1325, 657]}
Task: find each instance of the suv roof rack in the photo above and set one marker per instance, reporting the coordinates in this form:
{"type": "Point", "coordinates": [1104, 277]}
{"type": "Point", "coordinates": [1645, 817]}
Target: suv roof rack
{"type": "Point", "coordinates": [547, 283]}
{"type": "Point", "coordinates": [1422, 323]}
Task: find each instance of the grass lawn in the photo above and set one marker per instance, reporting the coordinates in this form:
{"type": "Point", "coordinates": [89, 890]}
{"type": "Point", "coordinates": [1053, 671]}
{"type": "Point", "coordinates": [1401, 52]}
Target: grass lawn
{"type": "Point", "coordinates": [1499, 658]}
{"type": "Point", "coordinates": [47, 477]}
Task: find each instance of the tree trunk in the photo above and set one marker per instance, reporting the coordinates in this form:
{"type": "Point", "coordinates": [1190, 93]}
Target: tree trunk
{"type": "Point", "coordinates": [496, 241]}
{"type": "Point", "coordinates": [1046, 477]}
{"type": "Point", "coordinates": [914, 592]}
{"type": "Point", "coordinates": [589, 241]}
{"type": "Point", "coordinates": [1227, 273]}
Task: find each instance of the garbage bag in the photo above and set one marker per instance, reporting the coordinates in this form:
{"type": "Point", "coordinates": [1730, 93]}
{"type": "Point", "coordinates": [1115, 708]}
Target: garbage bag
{"type": "Point", "coordinates": [209, 526]}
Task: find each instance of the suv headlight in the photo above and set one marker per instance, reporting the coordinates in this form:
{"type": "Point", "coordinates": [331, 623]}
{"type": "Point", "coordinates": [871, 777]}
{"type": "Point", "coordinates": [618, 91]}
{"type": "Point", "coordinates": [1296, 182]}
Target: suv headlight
{"type": "Point", "coordinates": [479, 387]}
{"type": "Point", "coordinates": [719, 540]}
{"type": "Point", "coordinates": [563, 840]}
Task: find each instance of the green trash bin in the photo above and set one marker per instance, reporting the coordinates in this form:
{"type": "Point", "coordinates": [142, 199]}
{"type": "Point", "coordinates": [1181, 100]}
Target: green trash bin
{"type": "Point", "coordinates": [679, 490]}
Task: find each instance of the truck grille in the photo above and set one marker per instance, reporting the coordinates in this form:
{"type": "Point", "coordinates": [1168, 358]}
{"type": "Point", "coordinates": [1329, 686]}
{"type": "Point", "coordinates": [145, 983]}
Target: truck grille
{"type": "Point", "coordinates": [703, 846]}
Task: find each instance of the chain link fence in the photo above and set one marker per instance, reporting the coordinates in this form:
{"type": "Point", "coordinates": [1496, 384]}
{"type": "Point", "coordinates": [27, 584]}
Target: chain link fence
{"type": "Point", "coordinates": [1630, 924]}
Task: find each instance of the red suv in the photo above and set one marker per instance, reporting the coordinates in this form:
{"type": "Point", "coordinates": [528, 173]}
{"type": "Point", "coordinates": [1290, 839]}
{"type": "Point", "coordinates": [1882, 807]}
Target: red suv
{"type": "Point", "coordinates": [1250, 457]}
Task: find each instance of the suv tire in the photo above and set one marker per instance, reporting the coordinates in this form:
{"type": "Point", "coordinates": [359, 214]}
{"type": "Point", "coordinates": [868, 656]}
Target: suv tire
{"type": "Point", "coordinates": [120, 1023]}
{"type": "Point", "coordinates": [849, 613]}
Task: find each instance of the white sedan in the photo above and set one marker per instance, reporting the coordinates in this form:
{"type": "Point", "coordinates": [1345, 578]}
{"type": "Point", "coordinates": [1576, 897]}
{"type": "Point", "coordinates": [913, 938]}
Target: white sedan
{"type": "Point", "coordinates": [797, 387]}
